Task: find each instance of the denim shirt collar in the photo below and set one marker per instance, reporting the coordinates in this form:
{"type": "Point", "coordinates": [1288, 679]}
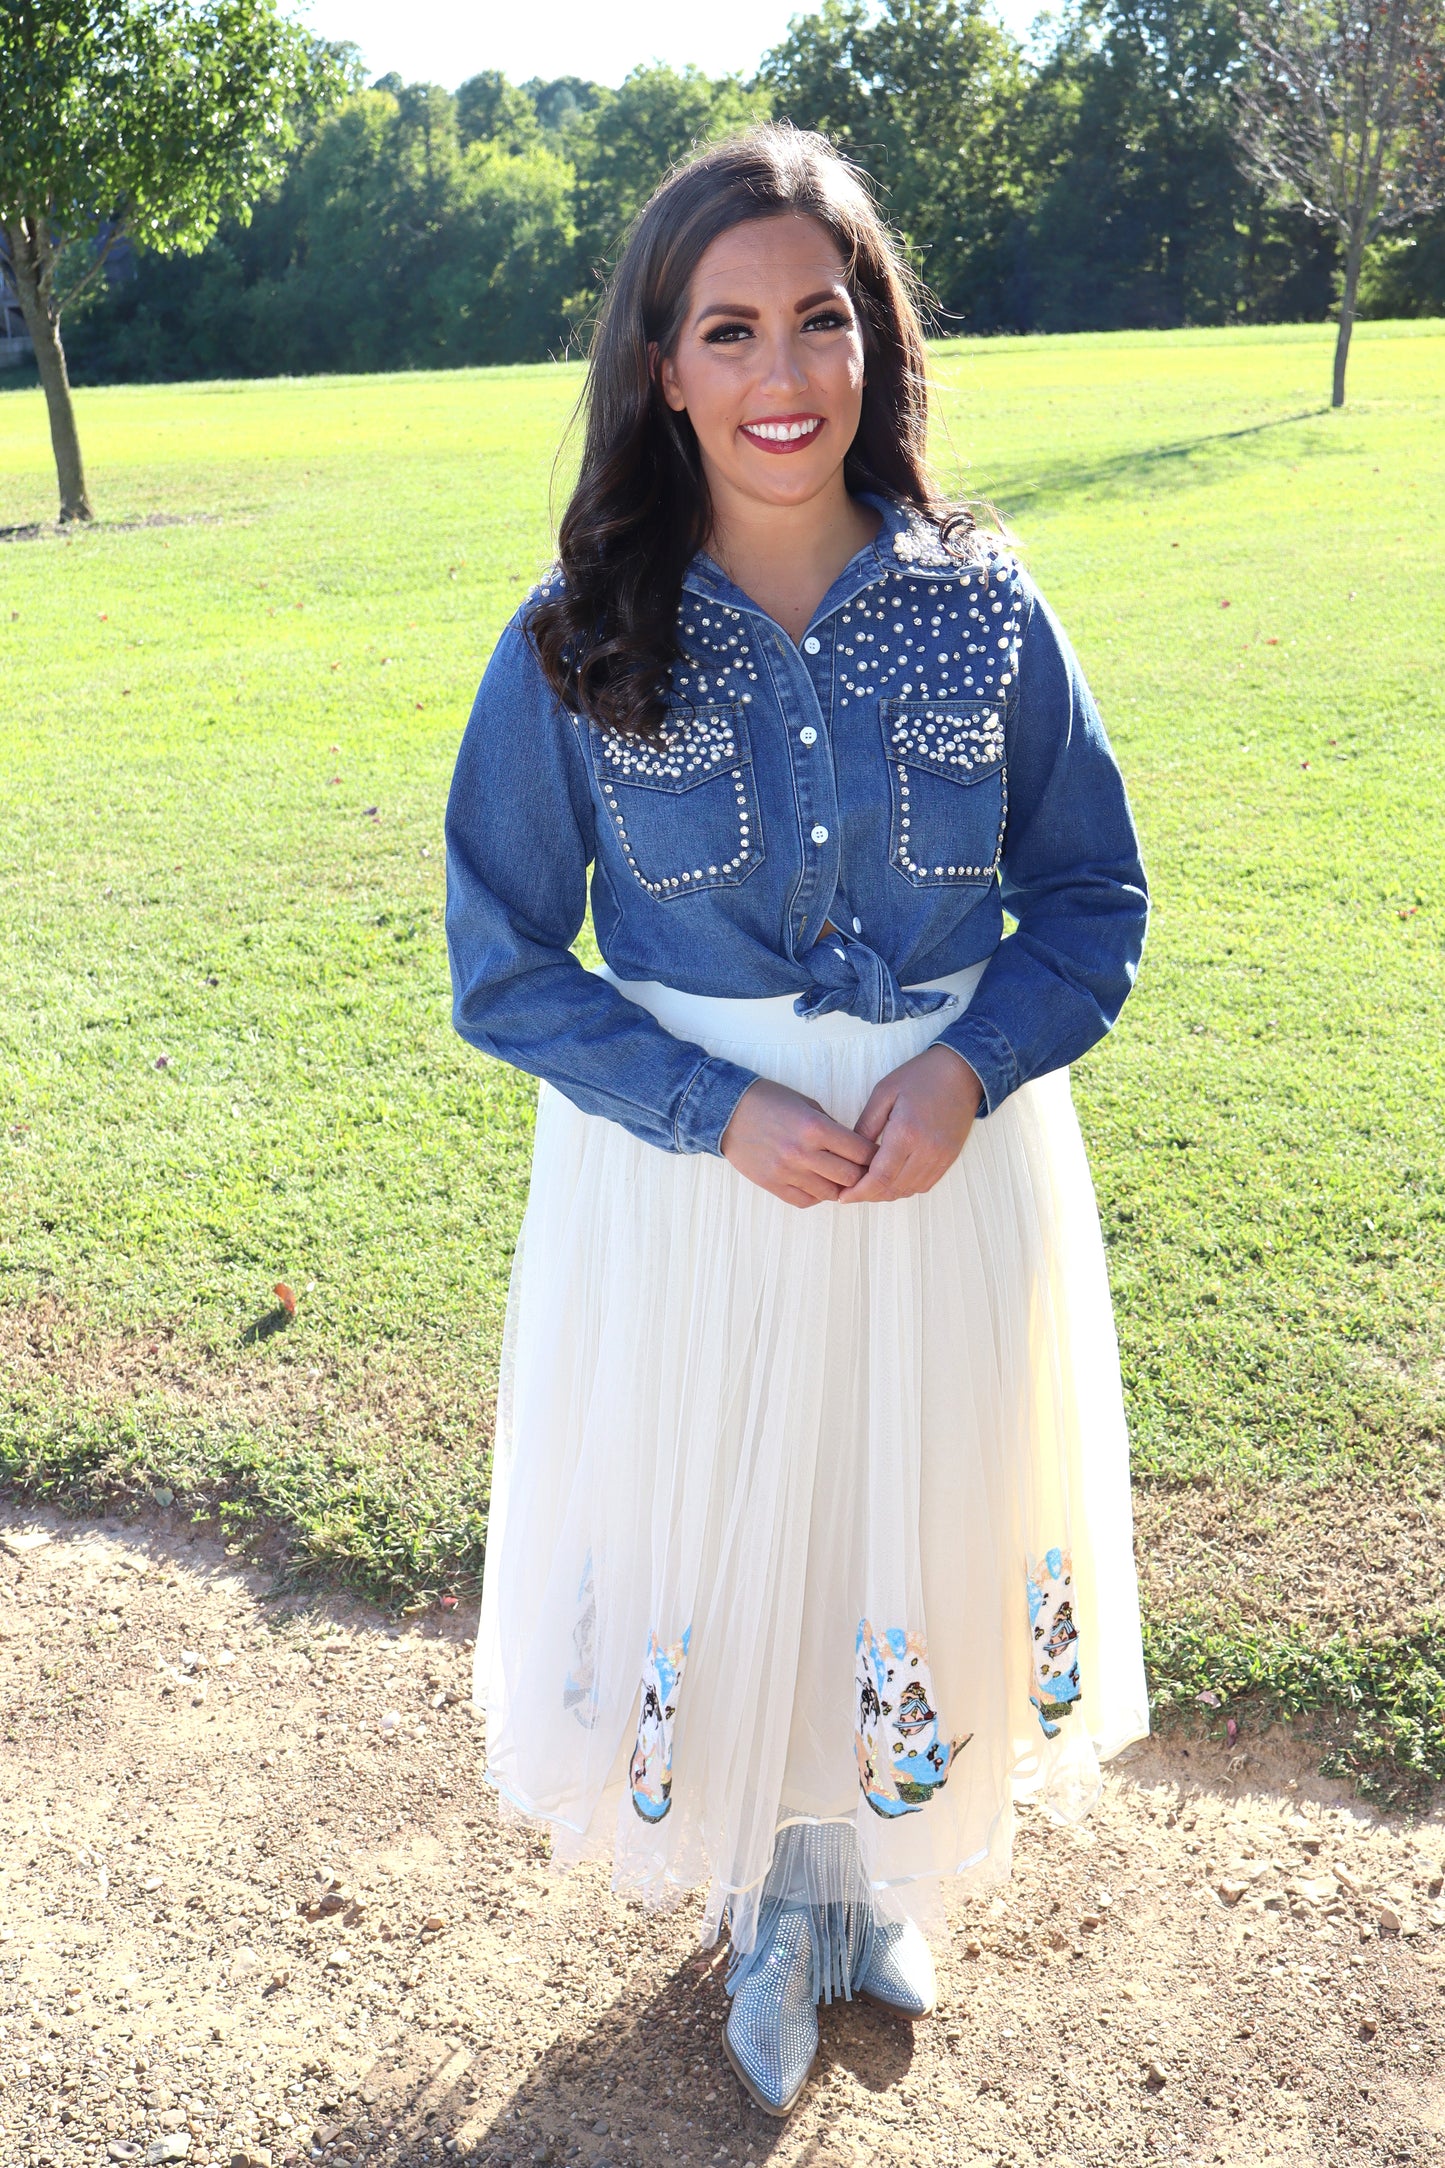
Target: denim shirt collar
{"type": "Point", "coordinates": [906, 541]}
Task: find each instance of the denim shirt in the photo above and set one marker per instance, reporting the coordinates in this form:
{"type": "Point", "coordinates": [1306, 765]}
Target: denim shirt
{"type": "Point", "coordinates": [926, 757]}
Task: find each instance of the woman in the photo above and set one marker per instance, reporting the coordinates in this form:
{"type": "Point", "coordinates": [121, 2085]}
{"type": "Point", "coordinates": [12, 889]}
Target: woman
{"type": "Point", "coordinates": [810, 1537]}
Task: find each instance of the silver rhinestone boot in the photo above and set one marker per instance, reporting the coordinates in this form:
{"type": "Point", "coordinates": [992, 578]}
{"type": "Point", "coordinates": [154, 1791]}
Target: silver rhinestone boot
{"type": "Point", "coordinates": [900, 1971]}
{"type": "Point", "coordinates": [814, 1939]}
{"type": "Point", "coordinates": [771, 2035]}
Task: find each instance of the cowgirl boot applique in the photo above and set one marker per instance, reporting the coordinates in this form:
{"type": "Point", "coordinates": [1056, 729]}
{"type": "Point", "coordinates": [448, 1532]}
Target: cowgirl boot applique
{"type": "Point", "coordinates": [814, 1941]}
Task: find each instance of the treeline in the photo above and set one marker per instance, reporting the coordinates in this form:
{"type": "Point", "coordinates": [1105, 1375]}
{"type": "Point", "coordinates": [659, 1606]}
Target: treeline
{"type": "Point", "coordinates": [1088, 185]}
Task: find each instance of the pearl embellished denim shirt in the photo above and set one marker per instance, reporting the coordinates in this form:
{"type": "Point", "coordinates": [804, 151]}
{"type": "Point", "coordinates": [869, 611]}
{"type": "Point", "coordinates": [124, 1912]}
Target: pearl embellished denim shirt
{"type": "Point", "coordinates": [926, 757]}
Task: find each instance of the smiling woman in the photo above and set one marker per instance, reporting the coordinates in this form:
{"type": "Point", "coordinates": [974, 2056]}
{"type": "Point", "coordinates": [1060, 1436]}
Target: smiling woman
{"type": "Point", "coordinates": [810, 1539]}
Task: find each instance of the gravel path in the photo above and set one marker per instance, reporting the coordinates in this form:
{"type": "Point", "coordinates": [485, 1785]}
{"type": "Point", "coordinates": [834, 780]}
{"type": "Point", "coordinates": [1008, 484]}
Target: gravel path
{"type": "Point", "coordinates": [256, 1907]}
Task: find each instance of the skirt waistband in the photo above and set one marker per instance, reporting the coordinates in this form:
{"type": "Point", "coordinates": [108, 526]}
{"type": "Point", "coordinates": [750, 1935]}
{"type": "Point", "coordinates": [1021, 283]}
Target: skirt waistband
{"type": "Point", "coordinates": [772, 1016]}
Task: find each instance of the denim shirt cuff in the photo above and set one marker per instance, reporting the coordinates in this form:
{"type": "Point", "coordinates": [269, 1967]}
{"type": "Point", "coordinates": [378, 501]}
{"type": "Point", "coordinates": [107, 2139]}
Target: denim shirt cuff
{"type": "Point", "coordinates": [989, 1055]}
{"type": "Point", "coordinates": [706, 1106]}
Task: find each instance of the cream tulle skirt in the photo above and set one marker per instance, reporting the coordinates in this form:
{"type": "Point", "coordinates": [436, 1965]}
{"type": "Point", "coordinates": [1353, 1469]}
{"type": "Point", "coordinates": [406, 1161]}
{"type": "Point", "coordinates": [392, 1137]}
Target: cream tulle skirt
{"type": "Point", "coordinates": [813, 1512]}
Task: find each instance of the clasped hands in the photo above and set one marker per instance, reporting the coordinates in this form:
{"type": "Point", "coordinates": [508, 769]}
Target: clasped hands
{"type": "Point", "coordinates": [914, 1126]}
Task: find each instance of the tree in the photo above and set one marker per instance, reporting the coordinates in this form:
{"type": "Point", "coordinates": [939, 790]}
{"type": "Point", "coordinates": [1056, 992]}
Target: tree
{"type": "Point", "coordinates": [142, 119]}
{"type": "Point", "coordinates": [1135, 197]}
{"type": "Point", "coordinates": [411, 250]}
{"type": "Point", "coordinates": [492, 110]}
{"type": "Point", "coordinates": [1345, 115]}
{"type": "Point", "coordinates": [623, 144]}
{"type": "Point", "coordinates": [925, 95]}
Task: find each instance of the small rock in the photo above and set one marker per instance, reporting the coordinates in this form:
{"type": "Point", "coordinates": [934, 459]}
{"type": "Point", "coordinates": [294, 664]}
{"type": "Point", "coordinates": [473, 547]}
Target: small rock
{"type": "Point", "coordinates": [1091, 1919]}
{"type": "Point", "coordinates": [1315, 1889]}
{"type": "Point", "coordinates": [252, 2156]}
{"type": "Point", "coordinates": [121, 2149]}
{"type": "Point", "coordinates": [1387, 1919]}
{"type": "Point", "coordinates": [1230, 1892]}
{"type": "Point", "coordinates": [175, 2147]}
{"type": "Point", "coordinates": [971, 1948]}
{"type": "Point", "coordinates": [20, 1540]}
{"type": "Point", "coordinates": [244, 1962]}
{"type": "Point", "coordinates": [173, 2119]}
{"type": "Point", "coordinates": [433, 1923]}
{"type": "Point", "coordinates": [1369, 2026]}
{"type": "Point", "coordinates": [1155, 2074]}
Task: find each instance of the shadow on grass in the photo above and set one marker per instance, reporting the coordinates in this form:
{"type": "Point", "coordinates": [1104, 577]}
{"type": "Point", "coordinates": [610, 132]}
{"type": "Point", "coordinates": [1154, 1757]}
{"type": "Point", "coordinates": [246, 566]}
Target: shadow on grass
{"type": "Point", "coordinates": [267, 1327]}
{"type": "Point", "coordinates": [648, 2079]}
{"type": "Point", "coordinates": [46, 530]}
{"type": "Point", "coordinates": [1197, 459]}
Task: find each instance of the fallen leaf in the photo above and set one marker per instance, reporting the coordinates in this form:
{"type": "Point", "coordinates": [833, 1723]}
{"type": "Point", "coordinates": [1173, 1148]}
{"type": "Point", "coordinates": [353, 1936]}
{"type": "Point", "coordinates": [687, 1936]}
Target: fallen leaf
{"type": "Point", "coordinates": [285, 1297]}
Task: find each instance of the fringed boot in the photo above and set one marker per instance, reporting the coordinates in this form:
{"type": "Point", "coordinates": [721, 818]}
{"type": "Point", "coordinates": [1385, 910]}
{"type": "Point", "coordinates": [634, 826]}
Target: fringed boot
{"type": "Point", "coordinates": [815, 1940]}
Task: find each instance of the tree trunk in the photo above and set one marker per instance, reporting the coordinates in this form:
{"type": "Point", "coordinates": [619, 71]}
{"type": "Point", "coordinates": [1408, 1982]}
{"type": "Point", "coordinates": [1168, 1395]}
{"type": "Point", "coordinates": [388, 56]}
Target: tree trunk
{"type": "Point", "coordinates": [27, 262]}
{"type": "Point", "coordinates": [1354, 257]}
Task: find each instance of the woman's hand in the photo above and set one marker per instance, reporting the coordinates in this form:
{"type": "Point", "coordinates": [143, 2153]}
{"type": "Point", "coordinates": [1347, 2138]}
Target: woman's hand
{"type": "Point", "coordinates": [919, 1116]}
{"type": "Point", "coordinates": [791, 1147]}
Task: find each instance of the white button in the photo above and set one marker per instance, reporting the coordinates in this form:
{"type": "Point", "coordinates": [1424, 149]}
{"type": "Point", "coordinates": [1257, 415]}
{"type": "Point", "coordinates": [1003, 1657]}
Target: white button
{"type": "Point", "coordinates": [857, 925]}
{"type": "Point", "coordinates": [820, 833]}
{"type": "Point", "coordinates": [808, 734]}
{"type": "Point", "coordinates": [812, 644]}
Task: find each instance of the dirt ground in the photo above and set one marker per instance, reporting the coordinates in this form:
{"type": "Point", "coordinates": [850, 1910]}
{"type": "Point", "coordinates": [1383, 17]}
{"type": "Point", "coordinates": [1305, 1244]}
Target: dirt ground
{"type": "Point", "coordinates": [257, 1907]}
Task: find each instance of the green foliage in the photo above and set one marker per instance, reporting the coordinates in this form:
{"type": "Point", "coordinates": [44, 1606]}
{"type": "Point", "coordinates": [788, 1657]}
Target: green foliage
{"type": "Point", "coordinates": [392, 244]}
{"type": "Point", "coordinates": [492, 110]}
{"type": "Point", "coordinates": [628, 138]}
{"type": "Point", "coordinates": [1139, 213]}
{"type": "Point", "coordinates": [191, 868]}
{"type": "Point", "coordinates": [415, 228]}
{"type": "Point", "coordinates": [926, 96]}
{"type": "Point", "coordinates": [1405, 275]}
{"type": "Point", "coordinates": [150, 118]}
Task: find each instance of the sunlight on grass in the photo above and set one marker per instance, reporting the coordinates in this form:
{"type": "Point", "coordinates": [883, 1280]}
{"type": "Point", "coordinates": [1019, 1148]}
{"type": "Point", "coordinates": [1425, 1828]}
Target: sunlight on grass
{"type": "Point", "coordinates": [224, 1015]}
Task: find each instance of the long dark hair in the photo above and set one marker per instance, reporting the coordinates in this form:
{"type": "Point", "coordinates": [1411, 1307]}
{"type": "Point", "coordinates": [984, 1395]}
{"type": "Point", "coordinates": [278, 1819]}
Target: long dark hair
{"type": "Point", "coordinates": [605, 633]}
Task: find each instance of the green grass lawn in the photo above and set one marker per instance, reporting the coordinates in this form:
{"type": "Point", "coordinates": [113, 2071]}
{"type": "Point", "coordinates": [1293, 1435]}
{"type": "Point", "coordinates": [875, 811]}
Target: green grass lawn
{"type": "Point", "coordinates": [227, 745]}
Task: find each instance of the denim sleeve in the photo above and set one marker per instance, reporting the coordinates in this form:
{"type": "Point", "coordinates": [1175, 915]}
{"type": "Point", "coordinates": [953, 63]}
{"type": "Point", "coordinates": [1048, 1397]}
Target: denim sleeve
{"type": "Point", "coordinates": [519, 838]}
{"type": "Point", "coordinates": [1071, 875]}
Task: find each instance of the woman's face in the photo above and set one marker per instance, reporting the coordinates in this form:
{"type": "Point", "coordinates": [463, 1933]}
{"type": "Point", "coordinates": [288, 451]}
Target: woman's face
{"type": "Point", "coordinates": [768, 365]}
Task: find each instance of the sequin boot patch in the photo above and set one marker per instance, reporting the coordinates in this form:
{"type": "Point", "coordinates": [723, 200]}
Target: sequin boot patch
{"type": "Point", "coordinates": [651, 1772]}
{"type": "Point", "coordinates": [903, 1757]}
{"type": "Point", "coordinates": [579, 1689]}
{"type": "Point", "coordinates": [1055, 1638]}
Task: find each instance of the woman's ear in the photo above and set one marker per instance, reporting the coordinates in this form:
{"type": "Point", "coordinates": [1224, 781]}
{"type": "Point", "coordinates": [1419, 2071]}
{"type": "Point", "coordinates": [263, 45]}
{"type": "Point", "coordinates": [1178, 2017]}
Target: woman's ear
{"type": "Point", "coordinates": [665, 375]}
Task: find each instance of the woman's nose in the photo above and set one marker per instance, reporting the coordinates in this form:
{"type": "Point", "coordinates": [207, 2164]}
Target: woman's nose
{"type": "Point", "coordinates": [783, 368]}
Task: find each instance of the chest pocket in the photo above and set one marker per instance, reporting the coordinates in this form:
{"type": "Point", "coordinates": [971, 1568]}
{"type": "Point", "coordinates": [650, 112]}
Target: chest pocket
{"type": "Point", "coordinates": [949, 789]}
{"type": "Point", "coordinates": [684, 809]}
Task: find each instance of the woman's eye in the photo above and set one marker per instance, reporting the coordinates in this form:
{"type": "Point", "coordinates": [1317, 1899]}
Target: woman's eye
{"type": "Point", "coordinates": [827, 320]}
{"type": "Point", "coordinates": [725, 334]}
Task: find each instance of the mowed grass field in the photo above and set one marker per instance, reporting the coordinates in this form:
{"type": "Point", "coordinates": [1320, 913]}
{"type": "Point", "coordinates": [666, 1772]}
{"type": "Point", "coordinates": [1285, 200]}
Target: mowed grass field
{"type": "Point", "coordinates": [226, 1056]}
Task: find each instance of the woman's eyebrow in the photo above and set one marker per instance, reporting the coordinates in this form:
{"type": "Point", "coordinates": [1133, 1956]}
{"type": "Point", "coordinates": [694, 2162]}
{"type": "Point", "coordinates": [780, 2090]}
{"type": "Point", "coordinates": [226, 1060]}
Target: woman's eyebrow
{"type": "Point", "coordinates": [740, 308]}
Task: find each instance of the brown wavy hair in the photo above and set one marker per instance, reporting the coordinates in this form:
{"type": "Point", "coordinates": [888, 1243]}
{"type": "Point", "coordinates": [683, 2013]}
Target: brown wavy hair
{"type": "Point", "coordinates": [605, 632]}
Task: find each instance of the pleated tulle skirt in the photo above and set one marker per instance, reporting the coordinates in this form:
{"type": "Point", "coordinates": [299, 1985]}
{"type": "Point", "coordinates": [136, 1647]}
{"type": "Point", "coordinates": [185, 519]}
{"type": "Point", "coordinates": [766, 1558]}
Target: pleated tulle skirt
{"type": "Point", "coordinates": [807, 1513]}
